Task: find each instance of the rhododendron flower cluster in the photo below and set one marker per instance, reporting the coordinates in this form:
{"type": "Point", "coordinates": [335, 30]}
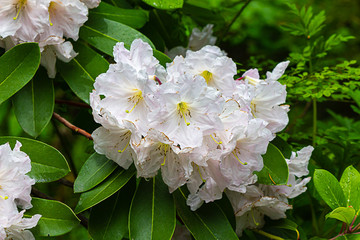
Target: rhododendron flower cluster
{"type": "Point", "coordinates": [47, 22]}
{"type": "Point", "coordinates": [196, 124]}
{"type": "Point", "coordinates": [15, 188]}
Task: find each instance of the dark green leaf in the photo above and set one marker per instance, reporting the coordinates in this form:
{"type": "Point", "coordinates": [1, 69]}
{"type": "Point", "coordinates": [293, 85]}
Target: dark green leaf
{"type": "Point", "coordinates": [17, 67]}
{"type": "Point", "coordinates": [105, 190]}
{"type": "Point", "coordinates": [344, 214]}
{"type": "Point", "coordinates": [56, 217]}
{"type": "Point", "coordinates": [152, 211]}
{"type": "Point", "coordinates": [109, 219]}
{"type": "Point", "coordinates": [93, 172]}
{"type": "Point", "coordinates": [34, 104]}
{"type": "Point", "coordinates": [283, 146]}
{"type": "Point", "coordinates": [208, 222]}
{"type": "Point", "coordinates": [165, 4]}
{"type": "Point", "coordinates": [275, 169]}
{"type": "Point", "coordinates": [350, 184]}
{"type": "Point", "coordinates": [329, 189]}
{"type": "Point", "coordinates": [132, 17]}
{"type": "Point", "coordinates": [47, 163]}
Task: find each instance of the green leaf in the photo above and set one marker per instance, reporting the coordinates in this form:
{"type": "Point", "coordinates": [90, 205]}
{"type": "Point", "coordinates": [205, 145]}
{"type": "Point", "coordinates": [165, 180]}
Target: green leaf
{"type": "Point", "coordinates": [350, 184]}
{"type": "Point", "coordinates": [132, 17]}
{"type": "Point", "coordinates": [109, 219]}
{"type": "Point", "coordinates": [56, 217]}
{"type": "Point", "coordinates": [329, 188]}
{"type": "Point", "coordinates": [283, 146]}
{"type": "Point", "coordinates": [349, 237]}
{"type": "Point", "coordinates": [275, 169]}
{"type": "Point", "coordinates": [165, 4]}
{"type": "Point", "coordinates": [225, 205]}
{"type": "Point", "coordinates": [34, 104]}
{"type": "Point", "coordinates": [344, 214]}
{"type": "Point", "coordinates": [81, 72]}
{"type": "Point", "coordinates": [208, 222]}
{"type": "Point", "coordinates": [152, 212]}
{"type": "Point", "coordinates": [103, 34]}
{"type": "Point", "coordinates": [17, 67]}
{"type": "Point", "coordinates": [95, 170]}
{"type": "Point", "coordinates": [47, 163]}
{"type": "Point", "coordinates": [105, 190]}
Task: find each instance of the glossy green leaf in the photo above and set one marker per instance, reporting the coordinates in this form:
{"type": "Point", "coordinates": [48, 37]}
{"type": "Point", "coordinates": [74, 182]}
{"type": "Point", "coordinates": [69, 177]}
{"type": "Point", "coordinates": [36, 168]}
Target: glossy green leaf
{"type": "Point", "coordinates": [81, 72]}
{"type": "Point", "coordinates": [109, 219]}
{"type": "Point", "coordinates": [275, 169]}
{"type": "Point", "coordinates": [329, 189]}
{"type": "Point", "coordinates": [152, 212]}
{"type": "Point", "coordinates": [103, 34]}
{"type": "Point", "coordinates": [47, 163]}
{"type": "Point", "coordinates": [56, 217]}
{"type": "Point", "coordinates": [208, 222]}
{"type": "Point", "coordinates": [283, 146]}
{"type": "Point", "coordinates": [95, 170]}
{"type": "Point", "coordinates": [350, 184]}
{"type": "Point", "coordinates": [105, 190]}
{"type": "Point", "coordinates": [17, 67]}
{"type": "Point", "coordinates": [165, 4]}
{"type": "Point", "coordinates": [34, 104]}
{"type": "Point", "coordinates": [349, 237]}
{"type": "Point", "coordinates": [225, 205]}
{"type": "Point", "coordinates": [344, 214]}
{"type": "Point", "coordinates": [132, 17]}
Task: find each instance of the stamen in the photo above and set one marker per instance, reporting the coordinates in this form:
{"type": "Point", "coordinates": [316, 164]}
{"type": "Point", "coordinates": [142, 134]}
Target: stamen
{"type": "Point", "coordinates": [220, 142]}
{"type": "Point", "coordinates": [121, 151]}
{"type": "Point", "coordinates": [200, 174]}
{"type": "Point", "coordinates": [207, 75]}
{"type": "Point", "coordinates": [289, 185]}
{"type": "Point", "coordinates": [158, 80]}
{"type": "Point", "coordinates": [253, 217]}
{"type": "Point", "coordinates": [253, 81]}
{"type": "Point", "coordinates": [6, 197]}
{"type": "Point", "coordinates": [272, 179]}
{"type": "Point", "coordinates": [182, 108]}
{"type": "Point", "coordinates": [20, 5]}
{"type": "Point", "coordinates": [245, 163]}
{"type": "Point", "coordinates": [50, 21]}
{"type": "Point", "coordinates": [137, 97]}
{"type": "Point", "coordinates": [166, 147]}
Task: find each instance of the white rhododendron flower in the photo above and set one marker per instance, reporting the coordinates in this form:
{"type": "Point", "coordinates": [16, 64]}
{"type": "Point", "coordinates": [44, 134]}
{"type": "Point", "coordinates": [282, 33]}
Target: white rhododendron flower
{"type": "Point", "coordinates": [197, 125]}
{"type": "Point", "coordinates": [91, 3]}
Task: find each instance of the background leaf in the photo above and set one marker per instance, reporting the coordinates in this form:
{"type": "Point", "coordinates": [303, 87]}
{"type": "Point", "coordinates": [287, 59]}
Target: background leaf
{"type": "Point", "coordinates": [17, 67]}
{"type": "Point", "coordinates": [350, 184]}
{"type": "Point", "coordinates": [34, 104]}
{"type": "Point", "coordinates": [165, 4]}
{"type": "Point", "coordinates": [152, 212]}
{"type": "Point", "coordinates": [344, 214]}
{"type": "Point", "coordinates": [47, 163]}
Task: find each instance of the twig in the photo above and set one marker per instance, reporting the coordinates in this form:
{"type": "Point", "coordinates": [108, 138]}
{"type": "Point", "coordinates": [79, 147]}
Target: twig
{"type": "Point", "coordinates": [233, 20]}
{"type": "Point", "coordinates": [71, 103]}
{"type": "Point", "coordinates": [66, 182]}
{"type": "Point", "coordinates": [71, 126]}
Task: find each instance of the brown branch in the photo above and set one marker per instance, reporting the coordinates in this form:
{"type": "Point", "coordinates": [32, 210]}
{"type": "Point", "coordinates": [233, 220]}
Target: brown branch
{"type": "Point", "coordinates": [71, 126]}
{"type": "Point", "coordinates": [71, 103]}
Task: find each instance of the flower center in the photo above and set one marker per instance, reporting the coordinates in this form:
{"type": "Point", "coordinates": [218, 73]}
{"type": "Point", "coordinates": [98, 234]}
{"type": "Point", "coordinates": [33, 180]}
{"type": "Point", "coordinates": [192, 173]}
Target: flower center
{"type": "Point", "coordinates": [207, 75]}
{"type": "Point", "coordinates": [19, 6]}
{"type": "Point", "coordinates": [183, 110]}
{"type": "Point", "coordinates": [136, 98]}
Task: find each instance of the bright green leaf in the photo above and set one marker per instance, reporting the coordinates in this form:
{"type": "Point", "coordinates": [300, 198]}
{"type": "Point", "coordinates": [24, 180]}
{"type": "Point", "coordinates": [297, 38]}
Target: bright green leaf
{"type": "Point", "coordinates": [17, 67]}
{"type": "Point", "coordinates": [208, 222]}
{"type": "Point", "coordinates": [56, 217]}
{"type": "Point", "coordinates": [165, 4]}
{"type": "Point", "coordinates": [109, 219]}
{"type": "Point", "coordinates": [329, 189]}
{"type": "Point", "coordinates": [34, 104]}
{"type": "Point", "coordinates": [95, 170]}
{"type": "Point", "coordinates": [47, 163]}
{"type": "Point", "coordinates": [350, 184]}
{"type": "Point", "coordinates": [152, 212]}
{"type": "Point", "coordinates": [105, 190]}
{"type": "Point", "coordinates": [275, 168]}
{"type": "Point", "coordinates": [344, 214]}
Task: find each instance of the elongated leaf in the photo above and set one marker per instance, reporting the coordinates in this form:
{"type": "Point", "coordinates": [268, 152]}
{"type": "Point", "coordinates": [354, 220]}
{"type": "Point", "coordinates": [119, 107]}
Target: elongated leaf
{"type": "Point", "coordinates": [105, 190]}
{"type": "Point", "coordinates": [47, 163]}
{"type": "Point", "coordinates": [103, 34]}
{"type": "Point", "coordinates": [56, 217]}
{"type": "Point", "coordinates": [93, 172]}
{"type": "Point", "coordinates": [132, 17]}
{"type": "Point", "coordinates": [34, 104]}
{"type": "Point", "coordinates": [350, 184]}
{"type": "Point", "coordinates": [17, 67]}
{"type": "Point", "coordinates": [152, 211]}
{"type": "Point", "coordinates": [344, 214]}
{"type": "Point", "coordinates": [329, 189]}
{"type": "Point", "coordinates": [165, 4]}
{"type": "Point", "coordinates": [109, 219]}
{"type": "Point", "coordinates": [81, 72]}
{"type": "Point", "coordinates": [208, 222]}
{"type": "Point", "coordinates": [275, 169]}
